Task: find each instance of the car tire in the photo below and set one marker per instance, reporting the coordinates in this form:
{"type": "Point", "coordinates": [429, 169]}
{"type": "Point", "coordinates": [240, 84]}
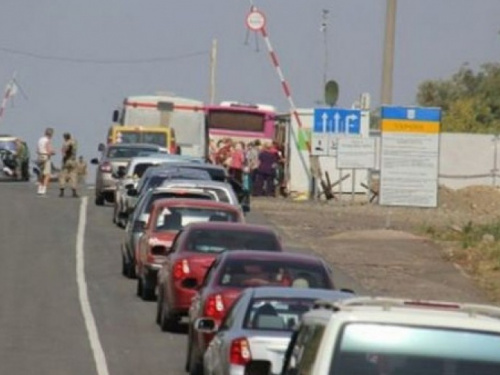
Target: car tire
{"type": "Point", "coordinates": [168, 323]}
{"type": "Point", "coordinates": [124, 267]}
{"type": "Point", "coordinates": [159, 309]}
{"type": "Point", "coordinates": [139, 287]}
{"type": "Point", "coordinates": [147, 290]}
{"type": "Point", "coordinates": [99, 200]}
{"type": "Point", "coordinates": [195, 365]}
{"type": "Point", "coordinates": [188, 352]}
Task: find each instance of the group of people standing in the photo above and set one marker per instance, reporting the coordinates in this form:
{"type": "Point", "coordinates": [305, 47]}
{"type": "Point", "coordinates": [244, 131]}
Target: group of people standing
{"type": "Point", "coordinates": [72, 171]}
{"type": "Point", "coordinates": [258, 166]}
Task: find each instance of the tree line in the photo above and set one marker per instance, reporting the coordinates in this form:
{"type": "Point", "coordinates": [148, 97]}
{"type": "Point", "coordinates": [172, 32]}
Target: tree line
{"type": "Point", "coordinates": [470, 100]}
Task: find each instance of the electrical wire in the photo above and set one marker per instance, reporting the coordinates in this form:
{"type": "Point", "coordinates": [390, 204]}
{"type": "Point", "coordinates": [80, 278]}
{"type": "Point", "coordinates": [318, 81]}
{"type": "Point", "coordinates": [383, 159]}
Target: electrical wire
{"type": "Point", "coordinates": [96, 61]}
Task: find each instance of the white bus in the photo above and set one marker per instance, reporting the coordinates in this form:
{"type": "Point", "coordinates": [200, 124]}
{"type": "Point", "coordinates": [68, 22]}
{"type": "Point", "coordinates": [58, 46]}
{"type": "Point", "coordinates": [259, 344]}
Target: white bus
{"type": "Point", "coordinates": [185, 116]}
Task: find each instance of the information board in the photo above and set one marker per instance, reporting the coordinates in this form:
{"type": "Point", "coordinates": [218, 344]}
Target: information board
{"type": "Point", "coordinates": [356, 153]}
{"type": "Point", "coordinates": [409, 164]}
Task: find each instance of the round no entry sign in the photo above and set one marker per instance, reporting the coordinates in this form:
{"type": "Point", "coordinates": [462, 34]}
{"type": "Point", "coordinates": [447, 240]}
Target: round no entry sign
{"type": "Point", "coordinates": [256, 20]}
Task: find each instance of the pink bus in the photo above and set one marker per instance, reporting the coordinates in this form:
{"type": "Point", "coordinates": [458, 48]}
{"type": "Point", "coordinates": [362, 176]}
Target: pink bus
{"type": "Point", "coordinates": [241, 122]}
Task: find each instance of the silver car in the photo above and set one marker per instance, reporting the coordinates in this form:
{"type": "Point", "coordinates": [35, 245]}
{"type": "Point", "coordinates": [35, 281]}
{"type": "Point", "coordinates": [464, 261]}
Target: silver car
{"type": "Point", "coordinates": [128, 177]}
{"type": "Point", "coordinates": [254, 336]}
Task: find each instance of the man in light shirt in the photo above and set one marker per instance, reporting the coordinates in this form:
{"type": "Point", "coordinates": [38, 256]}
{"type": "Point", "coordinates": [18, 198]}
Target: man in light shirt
{"type": "Point", "coordinates": [45, 151]}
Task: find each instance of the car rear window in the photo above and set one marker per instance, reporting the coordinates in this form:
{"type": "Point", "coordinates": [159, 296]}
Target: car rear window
{"type": "Point", "coordinates": [216, 241]}
{"type": "Point", "coordinates": [118, 152]}
{"type": "Point", "coordinates": [400, 349]}
{"type": "Point", "coordinates": [251, 272]}
{"type": "Point", "coordinates": [176, 218]}
{"type": "Point", "coordinates": [277, 314]}
{"type": "Point", "coordinates": [164, 195]}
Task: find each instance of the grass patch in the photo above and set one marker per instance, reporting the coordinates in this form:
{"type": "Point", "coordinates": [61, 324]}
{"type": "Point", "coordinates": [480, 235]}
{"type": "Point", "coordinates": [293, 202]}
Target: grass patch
{"type": "Point", "coordinates": [476, 248]}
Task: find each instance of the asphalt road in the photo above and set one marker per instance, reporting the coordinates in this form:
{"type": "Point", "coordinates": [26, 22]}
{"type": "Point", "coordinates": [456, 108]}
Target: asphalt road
{"type": "Point", "coordinates": [58, 319]}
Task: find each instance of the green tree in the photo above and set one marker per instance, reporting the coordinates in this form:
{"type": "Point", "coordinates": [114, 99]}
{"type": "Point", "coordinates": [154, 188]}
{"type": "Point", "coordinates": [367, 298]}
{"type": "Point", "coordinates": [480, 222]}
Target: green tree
{"type": "Point", "coordinates": [470, 100]}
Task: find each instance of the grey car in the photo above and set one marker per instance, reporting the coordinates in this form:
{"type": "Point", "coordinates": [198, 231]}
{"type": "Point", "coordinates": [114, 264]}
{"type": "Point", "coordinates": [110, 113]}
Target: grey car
{"type": "Point", "coordinates": [112, 157]}
{"type": "Point", "coordinates": [255, 334]}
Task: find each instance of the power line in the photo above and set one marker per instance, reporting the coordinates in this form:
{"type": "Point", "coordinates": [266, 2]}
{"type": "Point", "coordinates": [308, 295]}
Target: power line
{"type": "Point", "coordinates": [102, 62]}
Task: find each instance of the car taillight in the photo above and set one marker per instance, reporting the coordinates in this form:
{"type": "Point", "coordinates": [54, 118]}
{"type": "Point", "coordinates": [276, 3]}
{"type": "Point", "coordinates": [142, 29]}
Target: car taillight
{"type": "Point", "coordinates": [214, 307]}
{"type": "Point", "coordinates": [106, 167]}
{"type": "Point", "coordinates": [181, 269]}
{"type": "Point", "coordinates": [240, 352]}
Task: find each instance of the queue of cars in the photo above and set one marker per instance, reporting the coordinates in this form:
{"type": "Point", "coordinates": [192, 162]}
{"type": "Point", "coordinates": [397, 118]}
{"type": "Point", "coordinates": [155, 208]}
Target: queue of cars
{"type": "Point", "coordinates": [252, 307]}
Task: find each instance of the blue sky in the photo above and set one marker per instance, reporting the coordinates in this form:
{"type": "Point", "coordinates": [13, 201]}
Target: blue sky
{"type": "Point", "coordinates": [65, 53]}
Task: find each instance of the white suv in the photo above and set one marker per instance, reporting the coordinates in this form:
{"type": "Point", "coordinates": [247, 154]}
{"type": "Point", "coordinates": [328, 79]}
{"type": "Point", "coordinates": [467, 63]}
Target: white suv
{"type": "Point", "coordinates": [386, 336]}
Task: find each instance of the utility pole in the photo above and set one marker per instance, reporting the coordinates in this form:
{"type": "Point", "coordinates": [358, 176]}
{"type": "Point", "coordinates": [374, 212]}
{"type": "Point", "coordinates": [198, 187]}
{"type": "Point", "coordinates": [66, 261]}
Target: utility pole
{"type": "Point", "coordinates": [388, 62]}
{"type": "Point", "coordinates": [213, 64]}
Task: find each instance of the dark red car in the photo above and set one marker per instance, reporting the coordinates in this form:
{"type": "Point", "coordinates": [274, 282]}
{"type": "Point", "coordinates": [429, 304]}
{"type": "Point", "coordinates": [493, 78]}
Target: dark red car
{"type": "Point", "coordinates": [167, 217]}
{"type": "Point", "coordinates": [193, 251]}
{"type": "Point", "coordinates": [232, 272]}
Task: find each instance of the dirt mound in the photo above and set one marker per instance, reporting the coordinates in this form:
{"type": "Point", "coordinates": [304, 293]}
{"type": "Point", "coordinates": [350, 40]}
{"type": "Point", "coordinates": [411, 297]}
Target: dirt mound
{"type": "Point", "coordinates": [473, 199]}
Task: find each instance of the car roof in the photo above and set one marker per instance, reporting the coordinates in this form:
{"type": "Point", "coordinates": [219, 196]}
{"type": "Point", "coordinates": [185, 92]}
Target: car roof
{"type": "Point", "coordinates": [207, 166]}
{"type": "Point", "coordinates": [271, 256]}
{"type": "Point", "coordinates": [133, 145]}
{"type": "Point", "coordinates": [186, 202]}
{"type": "Point", "coordinates": [314, 293]}
{"type": "Point", "coordinates": [214, 225]}
{"type": "Point", "coordinates": [196, 183]}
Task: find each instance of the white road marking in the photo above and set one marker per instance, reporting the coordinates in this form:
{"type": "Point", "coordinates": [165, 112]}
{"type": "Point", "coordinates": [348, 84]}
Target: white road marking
{"type": "Point", "coordinates": [93, 335]}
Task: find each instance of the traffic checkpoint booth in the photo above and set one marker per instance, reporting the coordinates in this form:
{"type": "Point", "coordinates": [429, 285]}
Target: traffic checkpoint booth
{"type": "Point", "coordinates": [323, 128]}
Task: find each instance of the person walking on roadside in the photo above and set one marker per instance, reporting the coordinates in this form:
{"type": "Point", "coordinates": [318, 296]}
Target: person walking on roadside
{"type": "Point", "coordinates": [21, 160]}
{"type": "Point", "coordinates": [69, 171]}
{"type": "Point", "coordinates": [81, 169]}
{"type": "Point", "coordinates": [44, 152]}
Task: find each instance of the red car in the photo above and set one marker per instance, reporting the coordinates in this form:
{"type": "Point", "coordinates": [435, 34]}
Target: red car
{"type": "Point", "coordinates": [232, 272]}
{"type": "Point", "coordinates": [193, 251]}
{"type": "Point", "coordinates": [167, 217]}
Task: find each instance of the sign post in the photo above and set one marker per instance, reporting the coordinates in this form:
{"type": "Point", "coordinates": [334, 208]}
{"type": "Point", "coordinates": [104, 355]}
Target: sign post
{"type": "Point", "coordinates": [409, 167]}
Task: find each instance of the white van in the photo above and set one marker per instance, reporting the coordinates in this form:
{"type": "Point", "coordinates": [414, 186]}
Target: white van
{"type": "Point", "coordinates": [386, 336]}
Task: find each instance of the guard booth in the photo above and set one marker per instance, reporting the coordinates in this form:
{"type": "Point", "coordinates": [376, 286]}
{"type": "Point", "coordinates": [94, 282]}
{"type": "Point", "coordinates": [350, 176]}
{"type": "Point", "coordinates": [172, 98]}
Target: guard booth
{"type": "Point", "coordinates": [298, 173]}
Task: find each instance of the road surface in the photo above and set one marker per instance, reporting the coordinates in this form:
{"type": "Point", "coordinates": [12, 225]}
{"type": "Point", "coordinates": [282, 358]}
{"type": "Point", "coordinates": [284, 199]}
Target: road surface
{"type": "Point", "coordinates": [65, 307]}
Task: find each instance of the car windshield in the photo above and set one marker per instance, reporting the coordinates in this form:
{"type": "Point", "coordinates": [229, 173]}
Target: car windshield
{"type": "Point", "coordinates": [176, 218]}
{"type": "Point", "coordinates": [8, 145]}
{"type": "Point", "coordinates": [242, 273]}
{"type": "Point", "coordinates": [157, 180]}
{"type": "Point", "coordinates": [279, 314]}
{"type": "Point", "coordinates": [117, 152]}
{"type": "Point", "coordinates": [140, 168]}
{"type": "Point", "coordinates": [216, 241]}
{"type": "Point", "coordinates": [401, 350]}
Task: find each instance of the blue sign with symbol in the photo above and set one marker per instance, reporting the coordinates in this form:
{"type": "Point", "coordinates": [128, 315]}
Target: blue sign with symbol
{"type": "Point", "coordinates": [411, 113]}
{"type": "Point", "coordinates": [337, 121]}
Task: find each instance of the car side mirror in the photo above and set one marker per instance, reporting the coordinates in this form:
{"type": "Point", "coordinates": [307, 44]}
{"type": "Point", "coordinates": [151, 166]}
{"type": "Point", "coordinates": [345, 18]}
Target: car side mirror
{"type": "Point", "coordinates": [132, 192]}
{"type": "Point", "coordinates": [100, 147]}
{"type": "Point", "coordinates": [94, 161]}
{"type": "Point", "coordinates": [144, 218]}
{"type": "Point", "coordinates": [116, 115]}
{"type": "Point", "coordinates": [205, 325]}
{"type": "Point", "coordinates": [120, 173]}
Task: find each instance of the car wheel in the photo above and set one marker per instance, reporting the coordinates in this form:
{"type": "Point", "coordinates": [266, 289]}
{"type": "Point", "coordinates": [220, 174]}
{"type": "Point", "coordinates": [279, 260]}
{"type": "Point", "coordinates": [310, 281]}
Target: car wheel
{"type": "Point", "coordinates": [125, 267]}
{"type": "Point", "coordinates": [188, 354]}
{"type": "Point", "coordinates": [159, 305]}
{"type": "Point", "coordinates": [139, 287]}
{"type": "Point", "coordinates": [147, 289]}
{"type": "Point", "coordinates": [99, 200]}
{"type": "Point", "coordinates": [168, 323]}
{"type": "Point", "coordinates": [195, 364]}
